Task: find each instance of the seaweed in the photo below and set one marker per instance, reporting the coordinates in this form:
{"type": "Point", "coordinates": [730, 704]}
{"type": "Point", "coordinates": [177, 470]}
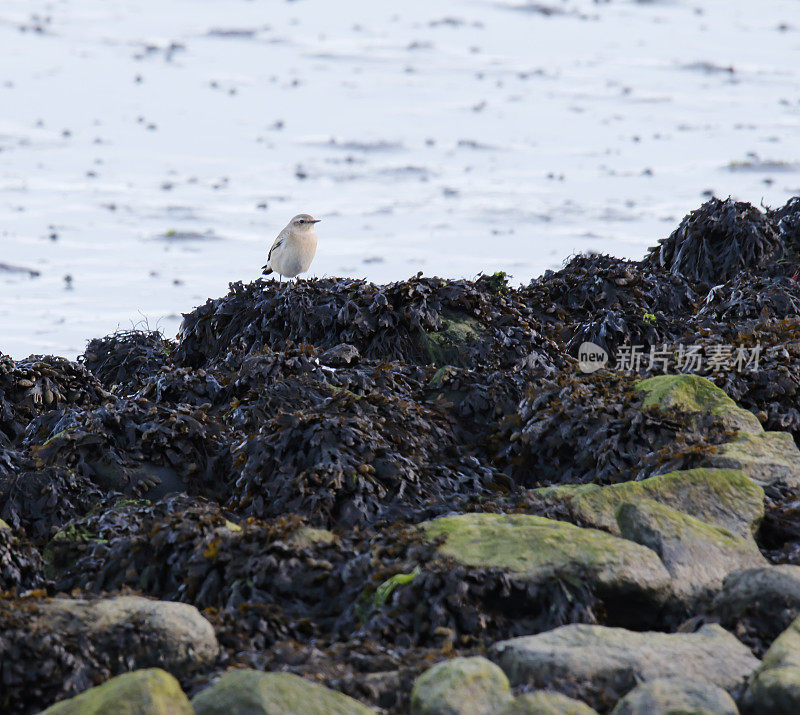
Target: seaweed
{"type": "Point", "coordinates": [717, 241]}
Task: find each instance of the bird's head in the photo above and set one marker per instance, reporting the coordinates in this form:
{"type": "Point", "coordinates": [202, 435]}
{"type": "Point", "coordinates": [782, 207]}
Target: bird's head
{"type": "Point", "coordinates": [303, 222]}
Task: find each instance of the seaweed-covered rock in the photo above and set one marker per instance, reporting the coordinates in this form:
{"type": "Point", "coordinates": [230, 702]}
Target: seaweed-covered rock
{"type": "Point", "coordinates": [538, 549]}
{"type": "Point", "coordinates": [724, 497]}
{"type": "Point", "coordinates": [461, 686]}
{"type": "Point", "coordinates": [40, 499]}
{"type": "Point", "coordinates": [786, 220]}
{"type": "Point", "coordinates": [134, 446]}
{"type": "Point", "coordinates": [151, 691]}
{"type": "Point", "coordinates": [610, 301]}
{"type": "Point", "coordinates": [746, 299]}
{"type": "Point", "coordinates": [697, 555]}
{"type": "Point", "coordinates": [56, 649]}
{"type": "Point", "coordinates": [757, 604]}
{"type": "Point", "coordinates": [125, 359]}
{"type": "Point", "coordinates": [331, 464]}
{"type": "Point", "coordinates": [592, 428]}
{"type": "Point", "coordinates": [260, 693]}
{"type": "Point", "coordinates": [20, 563]}
{"type": "Point", "coordinates": [178, 637]}
{"type": "Point", "coordinates": [717, 240]}
{"type": "Point", "coordinates": [775, 686]}
{"type": "Point", "coordinates": [599, 665]}
{"type": "Point", "coordinates": [676, 696]}
{"type": "Point", "coordinates": [41, 384]}
{"type": "Point", "coordinates": [421, 320]}
{"type": "Point", "coordinates": [695, 394]}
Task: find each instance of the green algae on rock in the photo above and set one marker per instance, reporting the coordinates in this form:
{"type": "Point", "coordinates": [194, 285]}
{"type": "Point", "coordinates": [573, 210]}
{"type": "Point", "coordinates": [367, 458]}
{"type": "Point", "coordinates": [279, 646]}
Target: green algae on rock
{"type": "Point", "coordinates": [535, 548]}
{"type": "Point", "coordinates": [260, 693]}
{"type": "Point", "coordinates": [461, 686]}
{"type": "Point", "coordinates": [676, 696]}
{"type": "Point", "coordinates": [724, 497]}
{"type": "Point", "coordinates": [698, 555]}
{"type": "Point", "coordinates": [769, 459]}
{"type": "Point", "coordinates": [546, 702]}
{"type": "Point", "coordinates": [775, 686]}
{"type": "Point", "coordinates": [151, 691]}
{"type": "Point", "coordinates": [693, 393]}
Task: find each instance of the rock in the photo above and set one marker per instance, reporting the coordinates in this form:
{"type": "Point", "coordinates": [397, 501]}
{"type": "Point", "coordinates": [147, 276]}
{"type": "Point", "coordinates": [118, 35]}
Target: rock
{"type": "Point", "coordinates": [692, 393]}
{"type": "Point", "coordinates": [142, 692]}
{"type": "Point", "coordinates": [535, 549]}
{"type": "Point", "coordinates": [775, 687]}
{"type": "Point", "coordinates": [446, 345]}
{"type": "Point", "coordinates": [595, 662]}
{"type": "Point", "coordinates": [725, 497]}
{"type": "Point", "coordinates": [176, 636]}
{"type": "Point", "coordinates": [307, 536]}
{"type": "Point", "coordinates": [546, 702]}
{"type": "Point", "coordinates": [461, 686]}
{"type": "Point", "coordinates": [257, 693]}
{"type": "Point", "coordinates": [769, 459]}
{"type": "Point", "coordinates": [759, 603]}
{"type": "Point", "coordinates": [340, 355]}
{"type": "Point", "coordinates": [676, 696]}
{"type": "Point", "coordinates": [697, 555]}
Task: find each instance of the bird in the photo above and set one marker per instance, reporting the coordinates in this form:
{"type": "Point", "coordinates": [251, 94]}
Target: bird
{"type": "Point", "coordinates": [294, 248]}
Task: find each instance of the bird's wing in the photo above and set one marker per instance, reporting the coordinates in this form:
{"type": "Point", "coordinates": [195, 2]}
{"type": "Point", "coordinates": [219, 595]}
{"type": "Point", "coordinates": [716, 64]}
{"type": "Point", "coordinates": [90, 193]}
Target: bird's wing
{"type": "Point", "coordinates": [278, 242]}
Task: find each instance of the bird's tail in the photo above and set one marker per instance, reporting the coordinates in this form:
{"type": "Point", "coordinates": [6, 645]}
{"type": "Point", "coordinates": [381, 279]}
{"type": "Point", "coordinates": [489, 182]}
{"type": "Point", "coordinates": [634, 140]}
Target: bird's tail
{"type": "Point", "coordinates": [266, 270]}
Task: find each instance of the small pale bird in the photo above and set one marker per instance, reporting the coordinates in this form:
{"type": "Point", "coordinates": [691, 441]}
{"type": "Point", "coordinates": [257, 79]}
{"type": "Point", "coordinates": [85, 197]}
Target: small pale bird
{"type": "Point", "coordinates": [294, 248]}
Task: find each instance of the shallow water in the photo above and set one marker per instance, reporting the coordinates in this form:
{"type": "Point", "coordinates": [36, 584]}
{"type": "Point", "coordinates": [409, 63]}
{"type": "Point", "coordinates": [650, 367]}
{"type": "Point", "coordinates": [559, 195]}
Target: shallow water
{"type": "Point", "coordinates": [151, 151]}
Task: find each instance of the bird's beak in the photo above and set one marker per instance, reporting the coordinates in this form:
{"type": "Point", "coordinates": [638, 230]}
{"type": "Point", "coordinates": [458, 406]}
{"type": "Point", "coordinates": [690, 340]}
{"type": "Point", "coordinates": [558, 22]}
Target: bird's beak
{"type": "Point", "coordinates": [316, 220]}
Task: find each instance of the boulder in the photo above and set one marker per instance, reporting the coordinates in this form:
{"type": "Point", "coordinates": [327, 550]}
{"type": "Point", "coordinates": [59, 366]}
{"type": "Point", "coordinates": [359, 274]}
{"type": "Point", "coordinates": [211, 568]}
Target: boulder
{"type": "Point", "coordinates": [759, 603]}
{"type": "Point", "coordinates": [257, 693]}
{"type": "Point", "coordinates": [142, 692]}
{"type": "Point", "coordinates": [775, 687]}
{"type": "Point", "coordinates": [535, 548]}
{"type": "Point", "coordinates": [769, 459]}
{"type": "Point", "coordinates": [593, 662]}
{"type": "Point", "coordinates": [725, 497]}
{"type": "Point", "coordinates": [174, 635]}
{"type": "Point", "coordinates": [676, 696]}
{"type": "Point", "coordinates": [697, 555]}
{"type": "Point", "coordinates": [546, 702]}
{"type": "Point", "coordinates": [692, 393]}
{"type": "Point", "coordinates": [461, 686]}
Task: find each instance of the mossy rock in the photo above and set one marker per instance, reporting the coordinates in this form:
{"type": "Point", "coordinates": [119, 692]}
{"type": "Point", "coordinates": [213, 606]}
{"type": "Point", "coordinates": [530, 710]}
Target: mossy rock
{"type": "Point", "coordinates": [775, 688]}
{"type": "Point", "coordinates": [770, 458]}
{"type": "Point", "coordinates": [546, 702]}
{"type": "Point", "coordinates": [724, 497]}
{"type": "Point", "coordinates": [676, 696]}
{"type": "Point", "coordinates": [448, 345]}
{"type": "Point", "coordinates": [257, 693]}
{"type": "Point", "coordinates": [697, 555]}
{"type": "Point", "coordinates": [461, 686]}
{"type": "Point", "coordinates": [535, 548]}
{"type": "Point", "coordinates": [692, 393]}
{"type": "Point", "coordinates": [151, 691]}
{"type": "Point", "coordinates": [588, 661]}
